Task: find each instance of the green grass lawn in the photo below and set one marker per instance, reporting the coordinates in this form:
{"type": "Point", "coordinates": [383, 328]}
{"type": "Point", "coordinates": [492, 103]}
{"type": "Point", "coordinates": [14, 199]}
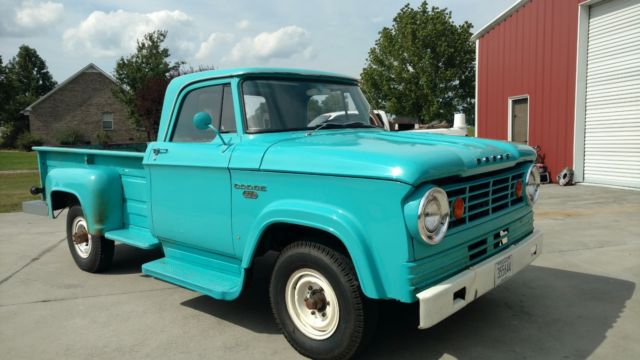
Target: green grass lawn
{"type": "Point", "coordinates": [14, 189]}
{"type": "Point", "coordinates": [18, 160]}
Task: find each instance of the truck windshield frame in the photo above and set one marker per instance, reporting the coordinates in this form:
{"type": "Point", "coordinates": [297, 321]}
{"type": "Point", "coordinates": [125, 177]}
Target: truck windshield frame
{"type": "Point", "coordinates": [284, 104]}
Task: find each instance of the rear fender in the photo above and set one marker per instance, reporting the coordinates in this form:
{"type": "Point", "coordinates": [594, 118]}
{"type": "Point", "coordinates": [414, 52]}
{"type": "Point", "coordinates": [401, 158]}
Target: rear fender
{"type": "Point", "coordinates": [99, 192]}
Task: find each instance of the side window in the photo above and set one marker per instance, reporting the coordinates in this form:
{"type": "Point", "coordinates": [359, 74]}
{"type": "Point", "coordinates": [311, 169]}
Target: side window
{"type": "Point", "coordinates": [107, 121]}
{"type": "Point", "coordinates": [209, 99]}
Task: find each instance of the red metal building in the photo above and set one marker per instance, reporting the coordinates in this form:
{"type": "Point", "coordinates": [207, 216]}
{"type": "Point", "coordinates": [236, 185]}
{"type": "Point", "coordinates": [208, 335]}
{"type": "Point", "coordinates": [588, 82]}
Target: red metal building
{"type": "Point", "coordinates": [565, 75]}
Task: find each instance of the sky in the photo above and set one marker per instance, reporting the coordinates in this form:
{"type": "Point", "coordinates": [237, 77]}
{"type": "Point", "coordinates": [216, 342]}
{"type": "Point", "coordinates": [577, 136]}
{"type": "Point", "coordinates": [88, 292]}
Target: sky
{"type": "Point", "coordinates": [330, 35]}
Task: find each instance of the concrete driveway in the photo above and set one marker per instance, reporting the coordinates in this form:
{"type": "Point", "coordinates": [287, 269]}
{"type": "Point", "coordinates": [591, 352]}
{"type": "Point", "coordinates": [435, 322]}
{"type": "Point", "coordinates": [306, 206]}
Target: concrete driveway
{"type": "Point", "coordinates": [578, 300]}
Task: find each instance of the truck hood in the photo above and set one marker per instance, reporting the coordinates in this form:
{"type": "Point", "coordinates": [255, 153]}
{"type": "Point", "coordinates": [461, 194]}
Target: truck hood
{"type": "Point", "coordinates": [411, 158]}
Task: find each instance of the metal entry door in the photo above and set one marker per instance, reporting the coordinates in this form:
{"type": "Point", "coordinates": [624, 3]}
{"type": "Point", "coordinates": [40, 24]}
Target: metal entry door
{"type": "Point", "coordinates": [520, 120]}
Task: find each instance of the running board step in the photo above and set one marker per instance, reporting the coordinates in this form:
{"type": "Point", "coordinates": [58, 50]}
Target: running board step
{"type": "Point", "coordinates": [197, 277]}
{"type": "Point", "coordinates": [140, 238]}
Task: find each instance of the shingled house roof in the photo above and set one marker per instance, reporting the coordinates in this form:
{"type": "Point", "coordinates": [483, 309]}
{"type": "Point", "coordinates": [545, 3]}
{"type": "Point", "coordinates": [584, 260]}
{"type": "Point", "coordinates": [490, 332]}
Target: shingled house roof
{"type": "Point", "coordinates": [91, 67]}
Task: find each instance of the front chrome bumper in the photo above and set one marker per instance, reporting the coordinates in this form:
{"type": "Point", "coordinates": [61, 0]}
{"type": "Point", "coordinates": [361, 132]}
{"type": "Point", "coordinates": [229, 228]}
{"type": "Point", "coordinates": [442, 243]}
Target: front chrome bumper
{"type": "Point", "coordinates": [441, 300]}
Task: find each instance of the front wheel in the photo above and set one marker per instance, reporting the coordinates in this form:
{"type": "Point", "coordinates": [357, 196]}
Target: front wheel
{"type": "Point", "coordinates": [317, 302]}
{"type": "Point", "coordinates": [90, 252]}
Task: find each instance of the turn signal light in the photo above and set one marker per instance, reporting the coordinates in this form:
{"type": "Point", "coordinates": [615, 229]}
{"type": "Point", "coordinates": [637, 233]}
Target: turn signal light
{"type": "Point", "coordinates": [458, 208]}
{"type": "Point", "coordinates": [519, 188]}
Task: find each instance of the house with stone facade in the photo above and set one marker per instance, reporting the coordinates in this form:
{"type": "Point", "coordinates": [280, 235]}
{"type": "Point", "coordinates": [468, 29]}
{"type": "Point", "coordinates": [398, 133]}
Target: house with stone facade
{"type": "Point", "coordinates": [84, 104]}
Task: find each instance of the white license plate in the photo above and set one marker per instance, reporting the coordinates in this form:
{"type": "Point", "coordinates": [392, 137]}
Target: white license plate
{"type": "Point", "coordinates": [503, 270]}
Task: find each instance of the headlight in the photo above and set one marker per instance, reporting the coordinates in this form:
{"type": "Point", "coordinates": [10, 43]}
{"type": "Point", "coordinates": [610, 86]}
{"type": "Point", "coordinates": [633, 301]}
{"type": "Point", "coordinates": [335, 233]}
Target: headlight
{"type": "Point", "coordinates": [433, 216]}
{"type": "Point", "coordinates": [533, 184]}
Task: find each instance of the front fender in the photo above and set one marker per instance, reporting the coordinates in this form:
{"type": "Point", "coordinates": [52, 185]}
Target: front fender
{"type": "Point", "coordinates": [99, 192]}
{"type": "Point", "coordinates": [326, 218]}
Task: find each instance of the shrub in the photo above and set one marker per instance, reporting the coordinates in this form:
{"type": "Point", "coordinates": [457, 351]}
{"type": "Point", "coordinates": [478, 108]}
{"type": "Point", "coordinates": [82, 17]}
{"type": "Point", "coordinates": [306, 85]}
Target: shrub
{"type": "Point", "coordinates": [6, 140]}
{"type": "Point", "coordinates": [71, 137]}
{"type": "Point", "coordinates": [103, 138]}
{"type": "Point", "coordinates": [26, 140]}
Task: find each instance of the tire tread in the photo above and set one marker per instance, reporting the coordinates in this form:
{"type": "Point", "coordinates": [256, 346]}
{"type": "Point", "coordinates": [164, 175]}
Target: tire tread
{"type": "Point", "coordinates": [363, 327]}
{"type": "Point", "coordinates": [102, 249]}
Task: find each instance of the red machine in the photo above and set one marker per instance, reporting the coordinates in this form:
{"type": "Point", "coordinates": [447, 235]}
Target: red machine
{"type": "Point", "coordinates": [544, 172]}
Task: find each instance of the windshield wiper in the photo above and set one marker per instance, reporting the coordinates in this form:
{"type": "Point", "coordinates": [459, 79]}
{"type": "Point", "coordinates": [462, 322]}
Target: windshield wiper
{"type": "Point", "coordinates": [322, 126]}
{"type": "Point", "coordinates": [351, 125]}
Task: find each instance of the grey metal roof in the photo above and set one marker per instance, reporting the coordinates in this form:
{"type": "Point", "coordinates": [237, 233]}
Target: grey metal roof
{"type": "Point", "coordinates": [500, 18]}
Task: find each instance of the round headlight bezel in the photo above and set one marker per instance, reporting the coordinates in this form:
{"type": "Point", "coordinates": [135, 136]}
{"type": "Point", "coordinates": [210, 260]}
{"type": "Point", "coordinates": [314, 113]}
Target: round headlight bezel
{"type": "Point", "coordinates": [438, 197]}
{"type": "Point", "coordinates": [532, 184]}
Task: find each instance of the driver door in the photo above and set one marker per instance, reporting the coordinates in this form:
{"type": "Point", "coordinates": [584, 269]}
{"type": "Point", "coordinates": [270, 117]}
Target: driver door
{"type": "Point", "coordinates": [190, 186]}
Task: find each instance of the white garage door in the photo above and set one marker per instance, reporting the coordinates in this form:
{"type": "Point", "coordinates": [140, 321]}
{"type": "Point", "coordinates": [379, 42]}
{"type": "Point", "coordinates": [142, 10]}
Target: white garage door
{"type": "Point", "coordinates": [612, 124]}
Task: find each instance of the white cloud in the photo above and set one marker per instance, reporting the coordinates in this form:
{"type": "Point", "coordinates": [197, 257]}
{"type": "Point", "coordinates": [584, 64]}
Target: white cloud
{"type": "Point", "coordinates": [242, 24]}
{"type": "Point", "coordinates": [213, 42]}
{"type": "Point", "coordinates": [33, 15]}
{"type": "Point", "coordinates": [115, 33]}
{"type": "Point", "coordinates": [30, 17]}
{"type": "Point", "coordinates": [284, 43]}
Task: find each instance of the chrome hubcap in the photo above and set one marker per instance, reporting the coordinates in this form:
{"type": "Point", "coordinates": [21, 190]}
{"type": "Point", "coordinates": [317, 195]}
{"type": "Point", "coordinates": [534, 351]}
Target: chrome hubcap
{"type": "Point", "coordinates": [81, 237]}
{"type": "Point", "coordinates": [312, 304]}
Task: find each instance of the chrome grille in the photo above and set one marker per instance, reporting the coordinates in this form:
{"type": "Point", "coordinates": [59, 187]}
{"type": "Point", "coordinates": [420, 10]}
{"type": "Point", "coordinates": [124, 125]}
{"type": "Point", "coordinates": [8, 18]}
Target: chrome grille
{"type": "Point", "coordinates": [485, 194]}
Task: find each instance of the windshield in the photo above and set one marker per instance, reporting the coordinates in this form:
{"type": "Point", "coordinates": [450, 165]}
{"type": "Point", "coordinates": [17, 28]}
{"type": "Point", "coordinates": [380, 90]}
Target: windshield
{"type": "Point", "coordinates": [285, 105]}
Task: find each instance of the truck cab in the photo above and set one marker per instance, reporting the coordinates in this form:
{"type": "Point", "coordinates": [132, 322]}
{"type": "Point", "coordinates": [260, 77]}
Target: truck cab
{"type": "Point", "coordinates": [249, 161]}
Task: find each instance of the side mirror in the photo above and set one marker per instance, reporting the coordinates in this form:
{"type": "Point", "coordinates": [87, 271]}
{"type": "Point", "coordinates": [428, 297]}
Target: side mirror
{"type": "Point", "coordinates": [202, 120]}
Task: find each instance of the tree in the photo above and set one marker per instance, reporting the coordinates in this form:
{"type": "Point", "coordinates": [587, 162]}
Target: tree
{"type": "Point", "coordinates": [23, 80]}
{"type": "Point", "coordinates": [148, 104]}
{"type": "Point", "coordinates": [422, 66]}
{"type": "Point", "coordinates": [142, 79]}
{"type": "Point", "coordinates": [4, 90]}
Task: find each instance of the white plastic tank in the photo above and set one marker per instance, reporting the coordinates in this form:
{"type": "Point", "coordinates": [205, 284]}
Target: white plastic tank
{"type": "Point", "coordinates": [459, 121]}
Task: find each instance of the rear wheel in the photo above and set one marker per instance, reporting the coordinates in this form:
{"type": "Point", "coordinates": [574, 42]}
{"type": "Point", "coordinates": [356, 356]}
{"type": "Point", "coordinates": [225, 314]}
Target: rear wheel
{"type": "Point", "coordinates": [317, 301]}
{"type": "Point", "coordinates": [91, 253]}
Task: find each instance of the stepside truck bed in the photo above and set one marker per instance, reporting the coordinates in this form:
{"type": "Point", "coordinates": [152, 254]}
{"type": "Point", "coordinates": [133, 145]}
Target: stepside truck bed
{"type": "Point", "coordinates": [119, 211]}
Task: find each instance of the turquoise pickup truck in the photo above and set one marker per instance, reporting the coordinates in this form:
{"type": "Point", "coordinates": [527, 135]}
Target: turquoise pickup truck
{"type": "Point", "coordinates": [357, 214]}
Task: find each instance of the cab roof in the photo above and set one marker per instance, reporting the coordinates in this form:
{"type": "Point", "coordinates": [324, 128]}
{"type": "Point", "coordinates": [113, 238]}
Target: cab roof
{"type": "Point", "coordinates": [248, 71]}
{"type": "Point", "coordinates": [177, 84]}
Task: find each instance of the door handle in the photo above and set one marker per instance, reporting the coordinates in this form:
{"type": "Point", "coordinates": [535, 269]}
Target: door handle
{"type": "Point", "coordinates": [158, 151]}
